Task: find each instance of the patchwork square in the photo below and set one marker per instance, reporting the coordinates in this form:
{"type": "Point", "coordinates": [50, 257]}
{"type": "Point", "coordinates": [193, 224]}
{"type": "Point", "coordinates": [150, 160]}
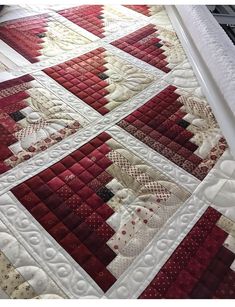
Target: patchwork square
{"type": "Point", "coordinates": [40, 37]}
{"type": "Point", "coordinates": [147, 10]}
{"type": "Point", "coordinates": [17, 116]}
{"type": "Point", "coordinates": [143, 44]}
{"type": "Point", "coordinates": [107, 217]}
{"type": "Point", "coordinates": [196, 269]}
{"type": "Point", "coordinates": [100, 20]}
{"type": "Point", "coordinates": [32, 119]}
{"type": "Point", "coordinates": [101, 79]}
{"type": "Point", "coordinates": [154, 45]}
{"type": "Point", "coordinates": [82, 217]}
{"type": "Point", "coordinates": [181, 127]}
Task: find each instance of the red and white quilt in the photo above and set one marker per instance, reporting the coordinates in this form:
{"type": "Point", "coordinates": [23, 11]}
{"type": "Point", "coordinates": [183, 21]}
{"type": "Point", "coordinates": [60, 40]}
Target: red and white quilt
{"type": "Point", "coordinates": [115, 179]}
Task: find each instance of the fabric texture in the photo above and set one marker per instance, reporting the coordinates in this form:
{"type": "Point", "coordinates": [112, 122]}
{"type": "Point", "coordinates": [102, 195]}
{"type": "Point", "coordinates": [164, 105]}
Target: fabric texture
{"type": "Point", "coordinates": [114, 173]}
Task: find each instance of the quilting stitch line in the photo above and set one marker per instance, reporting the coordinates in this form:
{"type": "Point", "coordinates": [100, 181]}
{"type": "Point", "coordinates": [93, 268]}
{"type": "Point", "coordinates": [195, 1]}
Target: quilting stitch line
{"type": "Point", "coordinates": [82, 107]}
{"type": "Point", "coordinates": [69, 55]}
{"type": "Point", "coordinates": [69, 144]}
{"type": "Point", "coordinates": [16, 217]}
{"type": "Point", "coordinates": [23, 262]}
{"type": "Point", "coordinates": [163, 164]}
{"type": "Point", "coordinates": [144, 268]}
{"type": "Point", "coordinates": [122, 289]}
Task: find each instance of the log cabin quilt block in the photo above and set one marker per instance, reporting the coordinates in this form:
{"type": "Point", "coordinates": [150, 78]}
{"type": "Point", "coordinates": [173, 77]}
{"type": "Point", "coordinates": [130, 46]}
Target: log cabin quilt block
{"type": "Point", "coordinates": [100, 20]}
{"type": "Point", "coordinates": [181, 127]}
{"type": "Point", "coordinates": [101, 79]}
{"type": "Point", "coordinates": [200, 267]}
{"type": "Point", "coordinates": [116, 181]}
{"type": "Point", "coordinates": [40, 37]}
{"type": "Point", "coordinates": [102, 204]}
{"type": "Point", "coordinates": [32, 119]}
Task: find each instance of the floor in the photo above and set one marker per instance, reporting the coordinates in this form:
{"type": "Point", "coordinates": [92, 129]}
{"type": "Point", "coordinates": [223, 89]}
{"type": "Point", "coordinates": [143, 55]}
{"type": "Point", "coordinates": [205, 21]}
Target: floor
{"type": "Point", "coordinates": [115, 179]}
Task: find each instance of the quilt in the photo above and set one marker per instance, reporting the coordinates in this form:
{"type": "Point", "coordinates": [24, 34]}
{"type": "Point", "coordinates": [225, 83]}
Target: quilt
{"type": "Point", "coordinates": [116, 181]}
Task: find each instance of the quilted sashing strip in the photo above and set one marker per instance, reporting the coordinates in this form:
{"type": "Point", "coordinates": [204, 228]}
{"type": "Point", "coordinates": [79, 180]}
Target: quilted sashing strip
{"type": "Point", "coordinates": [15, 285]}
{"type": "Point", "coordinates": [6, 63]}
{"type": "Point", "coordinates": [12, 283]}
{"type": "Point", "coordinates": [101, 79]}
{"type": "Point", "coordinates": [181, 127]}
{"type": "Point", "coordinates": [40, 37]}
{"type": "Point", "coordinates": [202, 266]}
{"type": "Point", "coordinates": [20, 276]}
{"type": "Point", "coordinates": [32, 119]}
{"type": "Point", "coordinates": [102, 204]}
{"type": "Point", "coordinates": [3, 67]}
